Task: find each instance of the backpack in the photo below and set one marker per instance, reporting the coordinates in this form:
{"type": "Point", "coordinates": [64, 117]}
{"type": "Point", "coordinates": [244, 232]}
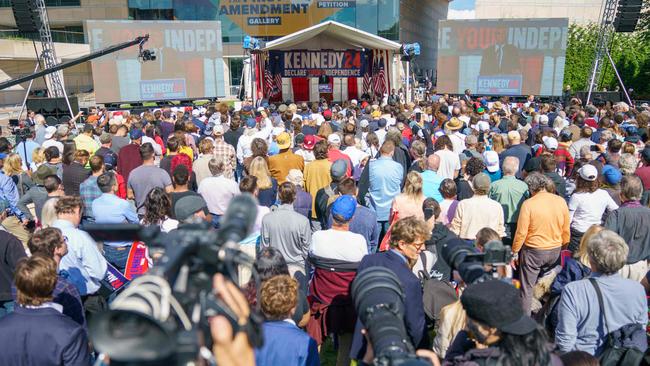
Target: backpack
{"type": "Point", "coordinates": [622, 346]}
{"type": "Point", "coordinates": [436, 294]}
{"type": "Point", "coordinates": [181, 159]}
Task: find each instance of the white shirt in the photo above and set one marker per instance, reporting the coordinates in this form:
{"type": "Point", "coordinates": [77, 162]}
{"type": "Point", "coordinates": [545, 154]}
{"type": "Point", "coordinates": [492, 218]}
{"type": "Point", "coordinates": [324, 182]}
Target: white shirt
{"type": "Point", "coordinates": [156, 148]}
{"type": "Point", "coordinates": [307, 155]}
{"type": "Point", "coordinates": [53, 142]}
{"type": "Point", "coordinates": [340, 245]}
{"type": "Point", "coordinates": [586, 209]}
{"type": "Point", "coordinates": [381, 135]}
{"type": "Point", "coordinates": [217, 193]}
{"type": "Point", "coordinates": [356, 155]}
{"type": "Point", "coordinates": [449, 163]}
{"type": "Point", "coordinates": [458, 142]}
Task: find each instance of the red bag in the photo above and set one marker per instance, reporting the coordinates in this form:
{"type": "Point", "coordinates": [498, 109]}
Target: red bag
{"type": "Point", "coordinates": [385, 242]}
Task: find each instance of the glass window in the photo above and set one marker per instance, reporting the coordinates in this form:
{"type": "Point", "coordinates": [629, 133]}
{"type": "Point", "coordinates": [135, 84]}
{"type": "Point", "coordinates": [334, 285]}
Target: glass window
{"type": "Point", "coordinates": [236, 67]}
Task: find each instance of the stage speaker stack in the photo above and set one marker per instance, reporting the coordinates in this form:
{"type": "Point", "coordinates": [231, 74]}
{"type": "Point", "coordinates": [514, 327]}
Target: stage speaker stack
{"type": "Point", "coordinates": [627, 15]}
{"type": "Point", "coordinates": [55, 110]}
{"type": "Point", "coordinates": [27, 17]}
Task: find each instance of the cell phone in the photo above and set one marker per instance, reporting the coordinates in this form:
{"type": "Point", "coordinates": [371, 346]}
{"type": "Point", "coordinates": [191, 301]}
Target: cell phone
{"type": "Point", "coordinates": [418, 116]}
{"type": "Point", "coordinates": [594, 148]}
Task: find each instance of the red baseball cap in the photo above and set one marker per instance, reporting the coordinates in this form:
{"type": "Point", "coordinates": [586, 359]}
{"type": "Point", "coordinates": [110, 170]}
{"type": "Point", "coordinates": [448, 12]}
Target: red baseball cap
{"type": "Point", "coordinates": [309, 142]}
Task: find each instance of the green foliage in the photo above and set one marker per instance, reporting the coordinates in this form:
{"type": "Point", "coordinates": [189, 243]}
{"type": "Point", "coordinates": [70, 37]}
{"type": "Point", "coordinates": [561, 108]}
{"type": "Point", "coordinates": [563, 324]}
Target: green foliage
{"type": "Point", "coordinates": [630, 52]}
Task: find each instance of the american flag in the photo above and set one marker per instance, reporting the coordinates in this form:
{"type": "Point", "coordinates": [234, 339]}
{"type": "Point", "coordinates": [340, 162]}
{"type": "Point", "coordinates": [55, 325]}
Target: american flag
{"type": "Point", "coordinates": [272, 80]}
{"type": "Point", "coordinates": [380, 80]}
{"type": "Point", "coordinates": [367, 83]}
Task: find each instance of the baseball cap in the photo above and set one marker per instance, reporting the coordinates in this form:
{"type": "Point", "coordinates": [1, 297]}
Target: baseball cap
{"type": "Point", "coordinates": [283, 140]}
{"type": "Point", "coordinates": [375, 114]}
{"type": "Point", "coordinates": [218, 129]}
{"type": "Point", "coordinates": [49, 132]}
{"type": "Point", "coordinates": [251, 123]}
{"type": "Point", "coordinates": [135, 134]}
{"type": "Point", "coordinates": [364, 123]}
{"type": "Point", "coordinates": [196, 113]}
{"type": "Point", "coordinates": [296, 177]}
{"type": "Point", "coordinates": [382, 122]}
{"type": "Point", "coordinates": [334, 138]}
{"type": "Point", "coordinates": [188, 206]}
{"type": "Point", "coordinates": [247, 108]}
{"type": "Point", "coordinates": [550, 142]}
{"type": "Point", "coordinates": [110, 160]}
{"type": "Point", "coordinates": [588, 172]}
{"type": "Point", "coordinates": [338, 169]}
{"type": "Point", "coordinates": [327, 114]}
{"type": "Point", "coordinates": [491, 161]}
{"type": "Point", "coordinates": [344, 207]}
{"type": "Point", "coordinates": [497, 304]}
{"type": "Point", "coordinates": [645, 153]}
{"type": "Point", "coordinates": [62, 130]}
{"type": "Point", "coordinates": [208, 129]}
{"type": "Point", "coordinates": [309, 142]}
{"type": "Point", "coordinates": [611, 175]}
{"type": "Point", "coordinates": [104, 138]}
{"type": "Point", "coordinates": [481, 181]}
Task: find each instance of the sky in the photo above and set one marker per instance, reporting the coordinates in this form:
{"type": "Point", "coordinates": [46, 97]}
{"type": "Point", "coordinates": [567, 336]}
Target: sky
{"type": "Point", "coordinates": [461, 9]}
{"type": "Point", "coordinates": [462, 5]}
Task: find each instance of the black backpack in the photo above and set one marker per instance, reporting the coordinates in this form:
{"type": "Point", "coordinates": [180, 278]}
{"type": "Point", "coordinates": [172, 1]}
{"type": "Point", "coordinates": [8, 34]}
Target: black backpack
{"type": "Point", "coordinates": [621, 344]}
{"type": "Point", "coordinates": [436, 293]}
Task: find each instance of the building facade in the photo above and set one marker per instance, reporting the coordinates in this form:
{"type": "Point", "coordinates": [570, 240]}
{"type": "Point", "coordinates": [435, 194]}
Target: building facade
{"type": "Point", "coordinates": [578, 11]}
{"type": "Point", "coordinates": [404, 21]}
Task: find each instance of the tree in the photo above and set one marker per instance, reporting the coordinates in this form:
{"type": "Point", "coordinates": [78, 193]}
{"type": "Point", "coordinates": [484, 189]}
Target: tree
{"type": "Point", "coordinates": [630, 52]}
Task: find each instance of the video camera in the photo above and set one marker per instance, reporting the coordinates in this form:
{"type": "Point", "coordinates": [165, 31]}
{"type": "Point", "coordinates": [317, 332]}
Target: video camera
{"type": "Point", "coordinates": [162, 317]}
{"type": "Point", "coordinates": [471, 265]}
{"type": "Point", "coordinates": [379, 301]}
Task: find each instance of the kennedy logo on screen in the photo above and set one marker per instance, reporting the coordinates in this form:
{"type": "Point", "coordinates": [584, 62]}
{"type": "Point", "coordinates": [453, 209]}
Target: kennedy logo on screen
{"type": "Point", "coordinates": [500, 84]}
{"type": "Point", "coordinates": [162, 89]}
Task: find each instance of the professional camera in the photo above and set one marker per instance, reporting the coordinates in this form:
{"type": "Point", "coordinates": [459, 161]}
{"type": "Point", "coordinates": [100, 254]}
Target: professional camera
{"type": "Point", "coordinates": [471, 265]}
{"type": "Point", "coordinates": [161, 318]}
{"type": "Point", "coordinates": [379, 301]}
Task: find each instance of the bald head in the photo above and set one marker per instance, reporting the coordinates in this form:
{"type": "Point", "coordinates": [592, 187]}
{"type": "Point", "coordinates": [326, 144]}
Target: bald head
{"type": "Point", "coordinates": [510, 165]}
{"type": "Point", "coordinates": [433, 162]}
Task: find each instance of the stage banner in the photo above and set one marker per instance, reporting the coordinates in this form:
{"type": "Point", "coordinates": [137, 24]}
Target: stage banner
{"type": "Point", "coordinates": [309, 63]}
{"type": "Point", "coordinates": [502, 56]}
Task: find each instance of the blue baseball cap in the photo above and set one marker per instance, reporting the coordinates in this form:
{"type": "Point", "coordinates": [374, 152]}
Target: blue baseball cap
{"type": "Point", "coordinates": [251, 123]}
{"type": "Point", "coordinates": [136, 134]}
{"type": "Point", "coordinates": [611, 175]}
{"type": "Point", "coordinates": [247, 108]}
{"type": "Point", "coordinates": [344, 207]}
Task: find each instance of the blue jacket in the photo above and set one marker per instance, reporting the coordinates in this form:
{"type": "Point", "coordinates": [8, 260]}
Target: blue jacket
{"type": "Point", "coordinates": [41, 337]}
{"type": "Point", "coordinates": [414, 317]}
{"type": "Point", "coordinates": [287, 345]}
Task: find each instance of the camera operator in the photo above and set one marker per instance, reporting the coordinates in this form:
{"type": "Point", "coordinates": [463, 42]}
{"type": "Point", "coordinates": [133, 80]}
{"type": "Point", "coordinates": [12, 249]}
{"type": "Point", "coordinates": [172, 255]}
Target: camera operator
{"type": "Point", "coordinates": [498, 332]}
{"type": "Point", "coordinates": [407, 241]}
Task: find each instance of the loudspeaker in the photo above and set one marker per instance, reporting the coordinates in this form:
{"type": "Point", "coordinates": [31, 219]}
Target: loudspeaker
{"type": "Point", "coordinates": [627, 15]}
{"type": "Point", "coordinates": [55, 110]}
{"type": "Point", "coordinates": [26, 14]}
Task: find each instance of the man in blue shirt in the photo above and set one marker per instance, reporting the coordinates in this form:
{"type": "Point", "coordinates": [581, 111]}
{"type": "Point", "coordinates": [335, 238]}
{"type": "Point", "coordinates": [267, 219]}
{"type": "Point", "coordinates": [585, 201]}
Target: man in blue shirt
{"type": "Point", "coordinates": [15, 221]}
{"type": "Point", "coordinates": [89, 190]}
{"type": "Point", "coordinates": [431, 180]}
{"type": "Point", "coordinates": [384, 182]}
{"type": "Point", "coordinates": [84, 262]}
{"type": "Point", "coordinates": [110, 209]}
{"type": "Point", "coordinates": [26, 147]}
{"type": "Point", "coordinates": [580, 326]}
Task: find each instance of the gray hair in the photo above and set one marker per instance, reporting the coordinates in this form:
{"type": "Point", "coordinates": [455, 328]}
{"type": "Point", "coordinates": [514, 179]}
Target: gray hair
{"type": "Point", "coordinates": [216, 166]}
{"type": "Point", "coordinates": [537, 182]}
{"type": "Point", "coordinates": [608, 252]}
{"type": "Point", "coordinates": [631, 187]}
{"type": "Point", "coordinates": [627, 164]}
{"type": "Point", "coordinates": [510, 165]}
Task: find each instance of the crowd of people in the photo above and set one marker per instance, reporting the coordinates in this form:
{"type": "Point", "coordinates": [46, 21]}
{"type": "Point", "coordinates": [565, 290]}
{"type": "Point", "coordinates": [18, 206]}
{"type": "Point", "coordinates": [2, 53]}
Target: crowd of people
{"type": "Point", "coordinates": [341, 188]}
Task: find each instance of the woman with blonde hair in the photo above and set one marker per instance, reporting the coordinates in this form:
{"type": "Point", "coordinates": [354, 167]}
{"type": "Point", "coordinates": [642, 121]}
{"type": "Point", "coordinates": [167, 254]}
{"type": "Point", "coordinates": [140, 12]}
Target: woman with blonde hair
{"type": "Point", "coordinates": [409, 202]}
{"type": "Point", "coordinates": [13, 167]}
{"type": "Point", "coordinates": [267, 185]}
{"type": "Point", "coordinates": [38, 158]}
{"type": "Point", "coordinates": [498, 144]}
{"type": "Point", "coordinates": [453, 319]}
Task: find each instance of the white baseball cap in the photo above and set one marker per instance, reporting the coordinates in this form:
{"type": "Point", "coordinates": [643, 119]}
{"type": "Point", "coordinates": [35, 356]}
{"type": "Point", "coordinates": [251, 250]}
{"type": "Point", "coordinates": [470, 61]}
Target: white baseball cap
{"type": "Point", "coordinates": [334, 138]}
{"type": "Point", "coordinates": [491, 161]}
{"type": "Point", "coordinates": [49, 132]}
{"type": "Point", "coordinates": [550, 142]}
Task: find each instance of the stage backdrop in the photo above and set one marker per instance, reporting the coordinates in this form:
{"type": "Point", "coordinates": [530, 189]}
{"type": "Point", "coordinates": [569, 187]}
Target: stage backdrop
{"type": "Point", "coordinates": [189, 60]}
{"type": "Point", "coordinates": [502, 56]}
